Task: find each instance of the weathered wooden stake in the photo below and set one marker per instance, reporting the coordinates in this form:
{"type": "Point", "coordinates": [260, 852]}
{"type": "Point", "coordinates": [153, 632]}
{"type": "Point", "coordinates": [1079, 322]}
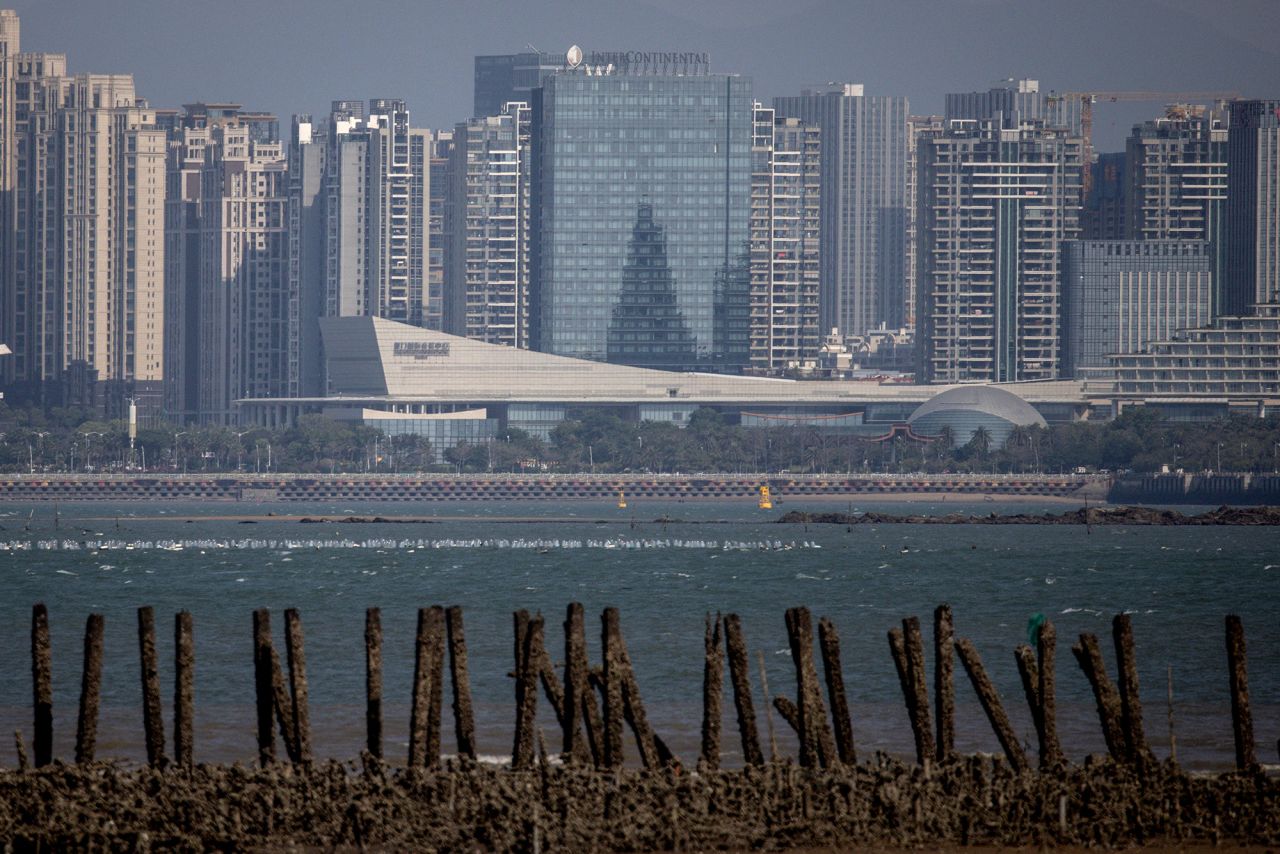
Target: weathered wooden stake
{"type": "Point", "coordinates": [90, 690]}
{"type": "Point", "coordinates": [184, 656]}
{"type": "Point", "coordinates": [1135, 736]}
{"type": "Point", "coordinates": [580, 700]}
{"type": "Point", "coordinates": [1241, 715]}
{"type": "Point", "coordinates": [421, 693]}
{"type": "Point", "coordinates": [817, 747]}
{"type": "Point", "coordinates": [546, 672]}
{"type": "Point", "coordinates": [1029, 673]}
{"type": "Point", "coordinates": [944, 687]}
{"type": "Point", "coordinates": [435, 661]}
{"type": "Point", "coordinates": [263, 687]}
{"type": "Point", "coordinates": [740, 678]}
{"type": "Point", "coordinates": [913, 646]}
{"type": "Point", "coordinates": [768, 712]}
{"type": "Point", "coordinates": [21, 749]}
{"type": "Point", "coordinates": [152, 714]}
{"type": "Point", "coordinates": [712, 691]}
{"type": "Point", "coordinates": [373, 681]}
{"type": "Point", "coordinates": [1089, 655]}
{"type": "Point", "coordinates": [1046, 646]}
{"type": "Point", "coordinates": [428, 669]}
{"type": "Point", "coordinates": [297, 658]}
{"type": "Point", "coordinates": [522, 752]}
{"type": "Point", "coordinates": [612, 675]}
{"type": "Point", "coordinates": [618, 670]}
{"type": "Point", "coordinates": [464, 724]}
{"type": "Point", "coordinates": [283, 706]}
{"type": "Point", "coordinates": [991, 704]}
{"type": "Point", "coordinates": [789, 712]}
{"type": "Point", "coordinates": [42, 684]}
{"type": "Point", "coordinates": [829, 644]}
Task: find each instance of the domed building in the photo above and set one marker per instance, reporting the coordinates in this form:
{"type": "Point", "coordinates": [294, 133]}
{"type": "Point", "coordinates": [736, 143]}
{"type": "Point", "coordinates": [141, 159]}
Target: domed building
{"type": "Point", "coordinates": [967, 408]}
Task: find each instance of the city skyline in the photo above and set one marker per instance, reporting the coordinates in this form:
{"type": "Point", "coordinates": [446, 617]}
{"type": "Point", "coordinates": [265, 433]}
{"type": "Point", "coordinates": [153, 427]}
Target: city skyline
{"type": "Point", "coordinates": [292, 57]}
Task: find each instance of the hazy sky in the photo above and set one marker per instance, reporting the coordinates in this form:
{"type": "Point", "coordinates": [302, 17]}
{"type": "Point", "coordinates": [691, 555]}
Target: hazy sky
{"type": "Point", "coordinates": [292, 56]}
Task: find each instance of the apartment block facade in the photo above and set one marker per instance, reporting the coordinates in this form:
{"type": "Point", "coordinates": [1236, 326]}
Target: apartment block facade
{"type": "Point", "coordinates": [488, 276]}
{"type": "Point", "coordinates": [864, 203]}
{"type": "Point", "coordinates": [1252, 258]}
{"type": "Point", "coordinates": [995, 206]}
{"type": "Point", "coordinates": [786, 181]}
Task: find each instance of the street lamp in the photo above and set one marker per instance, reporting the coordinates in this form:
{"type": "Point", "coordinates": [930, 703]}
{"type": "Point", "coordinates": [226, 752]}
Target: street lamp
{"type": "Point", "coordinates": [177, 448]}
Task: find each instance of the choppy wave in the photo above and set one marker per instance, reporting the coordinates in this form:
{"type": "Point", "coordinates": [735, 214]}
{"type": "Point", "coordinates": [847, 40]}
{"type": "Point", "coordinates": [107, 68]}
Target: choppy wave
{"type": "Point", "coordinates": [411, 545]}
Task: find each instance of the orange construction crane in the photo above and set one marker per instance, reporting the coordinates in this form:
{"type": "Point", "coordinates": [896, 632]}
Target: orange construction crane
{"type": "Point", "coordinates": [1088, 99]}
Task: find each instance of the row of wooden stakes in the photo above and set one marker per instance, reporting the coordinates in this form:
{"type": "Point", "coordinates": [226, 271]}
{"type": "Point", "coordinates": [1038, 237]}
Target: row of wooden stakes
{"type": "Point", "coordinates": [591, 705]}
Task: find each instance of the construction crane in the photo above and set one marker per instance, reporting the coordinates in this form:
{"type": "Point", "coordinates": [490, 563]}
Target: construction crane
{"type": "Point", "coordinates": [1088, 99]}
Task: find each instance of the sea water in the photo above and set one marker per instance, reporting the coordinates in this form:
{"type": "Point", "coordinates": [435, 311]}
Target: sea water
{"type": "Point", "coordinates": [665, 564]}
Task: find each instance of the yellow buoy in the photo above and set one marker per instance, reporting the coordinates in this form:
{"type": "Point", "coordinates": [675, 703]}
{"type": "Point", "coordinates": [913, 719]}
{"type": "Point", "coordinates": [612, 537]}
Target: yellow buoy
{"type": "Point", "coordinates": [765, 503]}
{"type": "Point", "coordinates": [622, 501]}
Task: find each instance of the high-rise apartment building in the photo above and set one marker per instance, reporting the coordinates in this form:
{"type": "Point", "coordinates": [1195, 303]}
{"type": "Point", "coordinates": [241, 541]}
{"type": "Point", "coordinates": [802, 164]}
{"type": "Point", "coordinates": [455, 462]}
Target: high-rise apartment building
{"type": "Point", "coordinates": [81, 294]}
{"type": "Point", "coordinates": [439, 225]}
{"type": "Point", "coordinates": [918, 127]}
{"type": "Point", "coordinates": [642, 183]}
{"type": "Point", "coordinates": [1176, 180]}
{"type": "Point", "coordinates": [488, 276]}
{"type": "Point", "coordinates": [1103, 216]}
{"type": "Point", "coordinates": [1018, 101]}
{"type": "Point", "coordinates": [504, 78]}
{"type": "Point", "coordinates": [359, 220]}
{"type": "Point", "coordinates": [995, 206]}
{"type": "Point", "coordinates": [1120, 295]}
{"type": "Point", "coordinates": [244, 309]}
{"type": "Point", "coordinates": [786, 180]}
{"type": "Point", "coordinates": [1252, 262]}
{"type": "Point", "coordinates": [218, 281]}
{"type": "Point", "coordinates": [864, 203]}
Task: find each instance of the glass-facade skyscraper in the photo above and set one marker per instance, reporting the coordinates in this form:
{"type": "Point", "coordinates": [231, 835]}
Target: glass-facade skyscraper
{"type": "Point", "coordinates": [642, 187]}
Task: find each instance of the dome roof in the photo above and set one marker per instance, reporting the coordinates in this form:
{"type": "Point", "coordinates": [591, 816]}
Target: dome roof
{"type": "Point", "coordinates": [985, 399]}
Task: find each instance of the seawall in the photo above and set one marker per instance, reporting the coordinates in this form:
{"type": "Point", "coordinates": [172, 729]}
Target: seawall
{"type": "Point", "coordinates": [386, 487]}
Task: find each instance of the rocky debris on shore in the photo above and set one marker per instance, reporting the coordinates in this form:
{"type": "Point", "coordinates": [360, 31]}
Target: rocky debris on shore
{"type": "Point", "coordinates": [1224, 515]}
{"type": "Point", "coordinates": [465, 806]}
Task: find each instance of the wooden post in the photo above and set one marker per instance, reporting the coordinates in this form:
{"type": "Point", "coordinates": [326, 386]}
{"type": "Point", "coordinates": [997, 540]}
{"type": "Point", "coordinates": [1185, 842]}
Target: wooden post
{"type": "Point", "coordinates": [768, 713]}
{"type": "Point", "coordinates": [1241, 715]}
{"type": "Point", "coordinates": [1135, 736]}
{"type": "Point", "coordinates": [788, 711]}
{"type": "Point", "coordinates": [152, 714]}
{"type": "Point", "coordinates": [1089, 655]}
{"type": "Point", "coordinates": [613, 711]}
{"type": "Point", "coordinates": [991, 704]}
{"type": "Point", "coordinates": [632, 706]}
{"type": "Point", "coordinates": [546, 673]}
{"type": "Point", "coordinates": [90, 690]}
{"type": "Point", "coordinates": [296, 655]}
{"type": "Point", "coordinates": [740, 678]}
{"type": "Point", "coordinates": [913, 646]}
{"type": "Point", "coordinates": [1029, 674]}
{"type": "Point", "coordinates": [1046, 646]}
{"type": "Point", "coordinates": [373, 681]}
{"type": "Point", "coordinates": [944, 688]}
{"type": "Point", "coordinates": [829, 644]}
{"type": "Point", "coordinates": [424, 726]}
{"type": "Point", "coordinates": [580, 700]}
{"type": "Point", "coordinates": [435, 699]}
{"type": "Point", "coordinates": [283, 705]}
{"type": "Point", "coordinates": [42, 685]}
{"type": "Point", "coordinates": [522, 751]}
{"type": "Point", "coordinates": [712, 691]}
{"type": "Point", "coordinates": [184, 656]}
{"type": "Point", "coordinates": [263, 686]}
{"type": "Point", "coordinates": [817, 747]}
{"type": "Point", "coordinates": [464, 724]}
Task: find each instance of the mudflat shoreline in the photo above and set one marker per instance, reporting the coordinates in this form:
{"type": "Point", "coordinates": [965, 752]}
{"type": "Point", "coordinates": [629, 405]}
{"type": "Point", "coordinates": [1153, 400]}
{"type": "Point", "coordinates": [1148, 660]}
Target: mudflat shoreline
{"type": "Point", "coordinates": [466, 806]}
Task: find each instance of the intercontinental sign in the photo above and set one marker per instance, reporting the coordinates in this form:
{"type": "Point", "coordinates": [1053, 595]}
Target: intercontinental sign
{"type": "Point", "coordinates": [639, 61]}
